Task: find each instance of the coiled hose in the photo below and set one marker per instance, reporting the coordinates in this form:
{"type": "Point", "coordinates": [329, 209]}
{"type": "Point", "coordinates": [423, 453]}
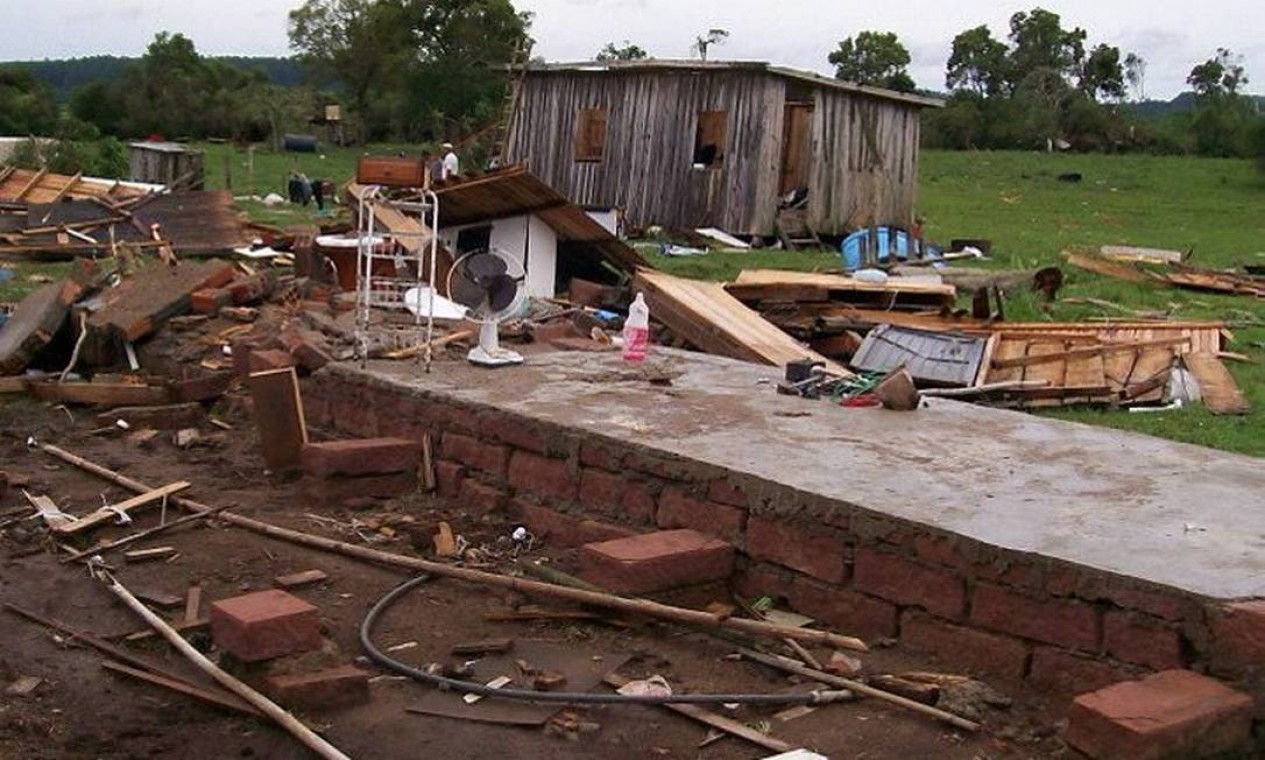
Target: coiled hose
{"type": "Point", "coordinates": [395, 666]}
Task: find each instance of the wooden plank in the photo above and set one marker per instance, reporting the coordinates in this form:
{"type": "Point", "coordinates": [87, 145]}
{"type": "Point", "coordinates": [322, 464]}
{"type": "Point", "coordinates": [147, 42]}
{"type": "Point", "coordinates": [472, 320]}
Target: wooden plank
{"type": "Point", "coordinates": [100, 394]}
{"type": "Point", "coordinates": [779, 277]}
{"type": "Point", "coordinates": [31, 183]}
{"type": "Point", "coordinates": [282, 428]}
{"type": "Point", "coordinates": [1077, 353]}
{"type": "Point", "coordinates": [707, 316]}
{"type": "Point", "coordinates": [1145, 255]}
{"type": "Point", "coordinates": [1106, 268]}
{"type": "Point", "coordinates": [48, 511]}
{"type": "Point", "coordinates": [719, 722]}
{"type": "Point", "coordinates": [192, 604]}
{"type": "Point", "coordinates": [111, 513]}
{"type": "Point", "coordinates": [70, 185]}
{"type": "Point", "coordinates": [230, 702]}
{"type": "Point", "coordinates": [1221, 394]}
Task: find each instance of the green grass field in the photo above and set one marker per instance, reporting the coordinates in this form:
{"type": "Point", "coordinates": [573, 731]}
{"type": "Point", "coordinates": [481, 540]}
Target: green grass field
{"type": "Point", "coordinates": [1214, 207]}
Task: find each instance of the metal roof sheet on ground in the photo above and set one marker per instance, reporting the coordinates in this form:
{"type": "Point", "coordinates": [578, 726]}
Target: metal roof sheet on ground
{"type": "Point", "coordinates": [30, 186]}
{"type": "Point", "coordinates": [931, 357]}
{"type": "Point", "coordinates": [164, 147]}
{"type": "Point", "coordinates": [203, 221]}
{"type": "Point", "coordinates": [514, 191]}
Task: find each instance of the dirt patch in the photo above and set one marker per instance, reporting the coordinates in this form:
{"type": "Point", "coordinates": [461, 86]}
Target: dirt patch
{"type": "Point", "coordinates": [80, 710]}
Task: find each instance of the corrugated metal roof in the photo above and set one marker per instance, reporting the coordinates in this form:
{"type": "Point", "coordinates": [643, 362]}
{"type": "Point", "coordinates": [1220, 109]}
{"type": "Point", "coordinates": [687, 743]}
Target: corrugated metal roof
{"type": "Point", "coordinates": [654, 64]}
{"type": "Point", "coordinates": [514, 191]}
{"type": "Point", "coordinates": [930, 357]}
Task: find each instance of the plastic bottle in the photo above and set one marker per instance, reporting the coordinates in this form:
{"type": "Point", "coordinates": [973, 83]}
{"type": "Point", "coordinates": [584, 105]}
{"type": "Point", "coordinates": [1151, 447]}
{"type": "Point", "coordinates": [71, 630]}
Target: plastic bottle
{"type": "Point", "coordinates": [637, 330]}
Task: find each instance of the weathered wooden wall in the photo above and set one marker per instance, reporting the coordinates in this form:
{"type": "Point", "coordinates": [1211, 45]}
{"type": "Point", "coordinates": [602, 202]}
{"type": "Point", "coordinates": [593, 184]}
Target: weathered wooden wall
{"type": "Point", "coordinates": [651, 123]}
{"type": "Point", "coordinates": [166, 167]}
{"type": "Point", "coordinates": [865, 162]}
{"type": "Point", "coordinates": [864, 149]}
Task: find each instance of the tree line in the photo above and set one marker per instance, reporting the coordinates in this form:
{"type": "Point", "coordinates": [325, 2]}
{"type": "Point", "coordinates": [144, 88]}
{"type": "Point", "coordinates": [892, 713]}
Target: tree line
{"type": "Point", "coordinates": [428, 70]}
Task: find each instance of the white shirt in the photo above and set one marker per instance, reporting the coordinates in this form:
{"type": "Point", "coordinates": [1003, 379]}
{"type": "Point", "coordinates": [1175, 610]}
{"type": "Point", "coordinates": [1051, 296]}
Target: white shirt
{"type": "Point", "coordinates": [451, 165]}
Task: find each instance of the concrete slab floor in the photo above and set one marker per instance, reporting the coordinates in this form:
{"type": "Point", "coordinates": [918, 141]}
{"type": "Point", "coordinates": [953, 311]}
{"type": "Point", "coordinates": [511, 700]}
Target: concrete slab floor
{"type": "Point", "coordinates": [1183, 516]}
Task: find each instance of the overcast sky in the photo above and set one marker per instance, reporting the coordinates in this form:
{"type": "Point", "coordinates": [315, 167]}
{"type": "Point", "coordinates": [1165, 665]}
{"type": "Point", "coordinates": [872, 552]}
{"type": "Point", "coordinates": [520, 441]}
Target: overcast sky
{"type": "Point", "coordinates": [1172, 36]}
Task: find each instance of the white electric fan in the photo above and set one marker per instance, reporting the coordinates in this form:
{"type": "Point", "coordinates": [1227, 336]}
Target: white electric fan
{"type": "Point", "coordinates": [490, 285]}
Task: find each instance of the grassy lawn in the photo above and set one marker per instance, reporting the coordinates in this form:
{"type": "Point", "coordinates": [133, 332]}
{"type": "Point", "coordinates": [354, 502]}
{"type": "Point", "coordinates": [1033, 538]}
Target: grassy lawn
{"type": "Point", "coordinates": [1214, 207]}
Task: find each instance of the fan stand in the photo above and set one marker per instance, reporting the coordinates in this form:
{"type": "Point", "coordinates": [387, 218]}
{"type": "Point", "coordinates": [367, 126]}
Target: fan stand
{"type": "Point", "coordinates": [489, 352]}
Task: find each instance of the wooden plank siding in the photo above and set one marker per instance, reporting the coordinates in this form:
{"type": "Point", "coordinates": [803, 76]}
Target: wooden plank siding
{"type": "Point", "coordinates": [864, 167]}
{"type": "Point", "coordinates": [646, 167]}
{"type": "Point", "coordinates": [863, 149]}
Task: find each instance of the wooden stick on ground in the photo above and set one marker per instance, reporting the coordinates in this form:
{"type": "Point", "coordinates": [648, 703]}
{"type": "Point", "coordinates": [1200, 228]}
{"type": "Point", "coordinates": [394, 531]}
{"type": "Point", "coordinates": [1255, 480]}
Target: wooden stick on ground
{"type": "Point", "coordinates": [417, 565]}
{"type": "Point", "coordinates": [259, 701]}
{"type": "Point", "coordinates": [705, 716]}
{"type": "Point", "coordinates": [790, 666]}
{"type": "Point", "coordinates": [125, 540]}
{"type": "Point", "coordinates": [183, 687]}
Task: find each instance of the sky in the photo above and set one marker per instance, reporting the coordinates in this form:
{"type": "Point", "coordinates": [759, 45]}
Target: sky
{"type": "Point", "coordinates": [1171, 35]}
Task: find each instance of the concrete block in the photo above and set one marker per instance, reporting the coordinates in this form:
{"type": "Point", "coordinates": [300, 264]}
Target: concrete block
{"type": "Point", "coordinates": [656, 561]}
{"type": "Point", "coordinates": [1174, 715]}
{"type": "Point", "coordinates": [324, 690]}
{"type": "Point", "coordinates": [264, 625]}
{"type": "Point", "coordinates": [363, 456]}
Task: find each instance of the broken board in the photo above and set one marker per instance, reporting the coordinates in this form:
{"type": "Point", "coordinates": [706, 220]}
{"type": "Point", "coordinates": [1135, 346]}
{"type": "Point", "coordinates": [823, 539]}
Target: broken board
{"type": "Point", "coordinates": [583, 673]}
{"type": "Point", "coordinates": [148, 298]}
{"type": "Point", "coordinates": [278, 412]}
{"type": "Point", "coordinates": [704, 314]}
{"type": "Point", "coordinates": [34, 323]}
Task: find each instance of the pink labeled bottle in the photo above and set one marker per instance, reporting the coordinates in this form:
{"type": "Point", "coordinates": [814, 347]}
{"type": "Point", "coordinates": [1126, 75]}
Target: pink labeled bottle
{"type": "Point", "coordinates": [637, 330]}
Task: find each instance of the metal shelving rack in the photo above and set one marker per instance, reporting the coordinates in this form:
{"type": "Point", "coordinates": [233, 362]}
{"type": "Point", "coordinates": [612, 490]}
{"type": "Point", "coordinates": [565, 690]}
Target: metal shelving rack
{"type": "Point", "coordinates": [389, 265]}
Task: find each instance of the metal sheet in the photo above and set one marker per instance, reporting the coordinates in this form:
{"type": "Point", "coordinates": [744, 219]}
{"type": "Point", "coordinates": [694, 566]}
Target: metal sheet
{"type": "Point", "coordinates": [931, 357]}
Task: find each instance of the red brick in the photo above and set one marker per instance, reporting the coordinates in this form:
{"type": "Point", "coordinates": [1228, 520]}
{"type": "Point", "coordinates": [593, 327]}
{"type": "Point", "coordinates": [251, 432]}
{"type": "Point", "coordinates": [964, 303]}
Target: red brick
{"type": "Point", "coordinates": [444, 417]}
{"type": "Point", "coordinates": [656, 561]}
{"type": "Point", "coordinates": [677, 509]}
{"type": "Point", "coordinates": [846, 611]}
{"type": "Point", "coordinates": [253, 288]}
{"type": "Point", "coordinates": [1238, 638]}
{"type": "Point", "coordinates": [363, 456]}
{"type": "Point", "coordinates": [724, 492]}
{"type": "Point", "coordinates": [325, 690]}
{"type": "Point", "coordinates": [817, 552]}
{"type": "Point", "coordinates": [339, 490]}
{"type": "Point", "coordinates": [665, 467]}
{"type": "Point", "coordinates": [448, 477]}
{"type": "Point", "coordinates": [262, 361]}
{"type": "Point", "coordinates": [1061, 672]}
{"type": "Point", "coordinates": [1134, 639]}
{"type": "Point", "coordinates": [490, 458]}
{"type": "Point", "coordinates": [562, 530]}
{"type": "Point", "coordinates": [1052, 621]}
{"type": "Point", "coordinates": [756, 581]}
{"type": "Point", "coordinates": [307, 348]}
{"type": "Point", "coordinates": [938, 550]}
{"type": "Point", "coordinates": [210, 301]}
{"type": "Point", "coordinates": [1160, 604]}
{"type": "Point", "coordinates": [542, 476]}
{"type": "Point", "coordinates": [599, 455]}
{"type": "Point", "coordinates": [515, 431]}
{"type": "Point", "coordinates": [613, 495]}
{"type": "Point", "coordinates": [1177, 715]}
{"type": "Point", "coordinates": [264, 625]}
{"type": "Point", "coordinates": [975, 650]}
{"type": "Point", "coordinates": [899, 580]}
{"type": "Point", "coordinates": [481, 497]}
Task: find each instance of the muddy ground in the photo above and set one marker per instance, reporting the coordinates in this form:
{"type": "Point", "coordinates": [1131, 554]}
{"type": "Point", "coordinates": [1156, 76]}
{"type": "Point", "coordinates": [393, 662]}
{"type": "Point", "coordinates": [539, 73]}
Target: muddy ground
{"type": "Point", "coordinates": [80, 710]}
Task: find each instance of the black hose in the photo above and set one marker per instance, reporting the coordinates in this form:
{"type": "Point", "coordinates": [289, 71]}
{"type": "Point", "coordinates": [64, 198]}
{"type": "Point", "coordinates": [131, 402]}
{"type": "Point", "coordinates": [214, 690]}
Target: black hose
{"type": "Point", "coordinates": [366, 627]}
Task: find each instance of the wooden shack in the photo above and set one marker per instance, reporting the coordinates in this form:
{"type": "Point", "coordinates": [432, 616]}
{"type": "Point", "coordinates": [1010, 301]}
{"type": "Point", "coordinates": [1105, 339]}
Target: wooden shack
{"type": "Point", "coordinates": [167, 163]}
{"type": "Point", "coordinates": [720, 144]}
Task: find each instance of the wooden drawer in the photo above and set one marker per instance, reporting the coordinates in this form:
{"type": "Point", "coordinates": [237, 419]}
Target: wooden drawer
{"type": "Point", "coordinates": [392, 171]}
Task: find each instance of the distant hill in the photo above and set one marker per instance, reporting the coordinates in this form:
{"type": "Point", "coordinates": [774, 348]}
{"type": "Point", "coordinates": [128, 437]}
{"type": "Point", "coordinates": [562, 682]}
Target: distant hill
{"type": "Point", "coordinates": [1158, 109]}
{"type": "Point", "coordinates": [66, 75]}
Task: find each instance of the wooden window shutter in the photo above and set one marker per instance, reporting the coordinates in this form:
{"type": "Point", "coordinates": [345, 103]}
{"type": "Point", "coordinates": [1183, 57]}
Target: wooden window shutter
{"type": "Point", "coordinates": [590, 137]}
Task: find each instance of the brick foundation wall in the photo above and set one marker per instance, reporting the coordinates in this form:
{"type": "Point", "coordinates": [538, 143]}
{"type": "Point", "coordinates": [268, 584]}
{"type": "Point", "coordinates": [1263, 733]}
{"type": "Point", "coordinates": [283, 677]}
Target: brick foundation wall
{"type": "Point", "coordinates": [993, 611]}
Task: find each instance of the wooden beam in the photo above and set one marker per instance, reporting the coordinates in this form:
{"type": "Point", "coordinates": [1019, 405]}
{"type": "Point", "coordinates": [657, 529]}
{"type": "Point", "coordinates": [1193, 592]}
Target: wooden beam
{"type": "Point", "coordinates": [1077, 353]}
{"type": "Point", "coordinates": [30, 185]}
{"type": "Point", "coordinates": [283, 430]}
{"type": "Point", "coordinates": [68, 187]}
{"type": "Point", "coordinates": [111, 513]}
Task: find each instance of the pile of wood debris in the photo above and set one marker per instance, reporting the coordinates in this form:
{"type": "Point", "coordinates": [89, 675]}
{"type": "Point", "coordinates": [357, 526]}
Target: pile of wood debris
{"type": "Point", "coordinates": [876, 328]}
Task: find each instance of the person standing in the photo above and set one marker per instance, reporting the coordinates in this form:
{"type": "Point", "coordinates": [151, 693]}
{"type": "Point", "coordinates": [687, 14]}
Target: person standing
{"type": "Point", "coordinates": [451, 164]}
